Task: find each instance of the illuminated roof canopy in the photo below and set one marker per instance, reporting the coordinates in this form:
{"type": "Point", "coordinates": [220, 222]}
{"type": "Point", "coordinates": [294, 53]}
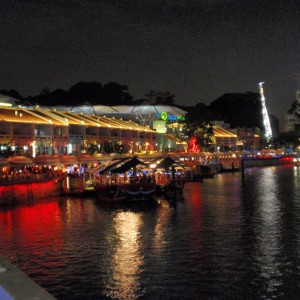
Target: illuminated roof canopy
{"type": "Point", "coordinates": [39, 115]}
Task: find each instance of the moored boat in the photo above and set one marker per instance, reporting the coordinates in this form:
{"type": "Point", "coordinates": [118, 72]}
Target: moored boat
{"type": "Point", "coordinates": [20, 188]}
{"type": "Point", "coordinates": [126, 192]}
{"type": "Point", "coordinates": [111, 193]}
{"type": "Point", "coordinates": [142, 191]}
{"type": "Point", "coordinates": [22, 178]}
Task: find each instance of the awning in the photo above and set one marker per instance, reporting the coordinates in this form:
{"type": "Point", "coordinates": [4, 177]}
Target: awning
{"type": "Point", "coordinates": [69, 159]}
{"type": "Point", "coordinates": [20, 161]}
{"type": "Point", "coordinates": [167, 163]}
{"type": "Point", "coordinates": [174, 139]}
{"type": "Point", "coordinates": [44, 159]}
{"type": "Point", "coordinates": [128, 165]}
{"type": "Point", "coordinates": [3, 162]}
{"type": "Point", "coordinates": [111, 164]}
{"type": "Point", "coordinates": [86, 158]}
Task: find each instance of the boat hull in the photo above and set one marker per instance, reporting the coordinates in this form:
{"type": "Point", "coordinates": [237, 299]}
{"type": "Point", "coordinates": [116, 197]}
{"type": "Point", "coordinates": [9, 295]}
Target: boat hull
{"type": "Point", "coordinates": [125, 193]}
{"type": "Point", "coordinates": [141, 192]}
{"type": "Point", "coordinates": [29, 191]}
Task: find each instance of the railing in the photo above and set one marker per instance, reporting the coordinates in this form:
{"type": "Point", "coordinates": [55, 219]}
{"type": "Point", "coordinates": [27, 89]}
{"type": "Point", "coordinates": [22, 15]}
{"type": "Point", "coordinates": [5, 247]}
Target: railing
{"type": "Point", "coordinates": [5, 138]}
{"type": "Point", "coordinates": [60, 138]}
{"type": "Point", "coordinates": [19, 137]}
{"type": "Point", "coordinates": [76, 137]}
{"type": "Point", "coordinates": [43, 138]}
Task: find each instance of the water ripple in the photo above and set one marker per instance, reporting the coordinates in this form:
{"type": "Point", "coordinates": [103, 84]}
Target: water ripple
{"type": "Point", "coordinates": [221, 240]}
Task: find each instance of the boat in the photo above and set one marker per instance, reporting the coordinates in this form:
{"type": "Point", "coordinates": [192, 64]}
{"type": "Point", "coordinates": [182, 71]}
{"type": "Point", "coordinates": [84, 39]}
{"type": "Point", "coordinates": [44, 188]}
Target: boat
{"type": "Point", "coordinates": [142, 191]}
{"type": "Point", "coordinates": [20, 160]}
{"type": "Point", "coordinates": [29, 186]}
{"type": "Point", "coordinates": [111, 193]}
{"type": "Point", "coordinates": [46, 159]}
{"type": "Point", "coordinates": [125, 192]}
{"type": "Point", "coordinates": [21, 180]}
{"type": "Point", "coordinates": [113, 184]}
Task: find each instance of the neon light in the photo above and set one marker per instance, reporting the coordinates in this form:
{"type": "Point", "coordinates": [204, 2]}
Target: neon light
{"type": "Point", "coordinates": [164, 116]}
{"type": "Point", "coordinates": [193, 146]}
{"type": "Point", "coordinates": [167, 117]}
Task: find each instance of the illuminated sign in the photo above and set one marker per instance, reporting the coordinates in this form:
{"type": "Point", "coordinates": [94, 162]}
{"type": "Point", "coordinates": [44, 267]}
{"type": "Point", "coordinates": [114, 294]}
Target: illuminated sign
{"type": "Point", "coordinates": [167, 117]}
{"type": "Point", "coordinates": [193, 145]}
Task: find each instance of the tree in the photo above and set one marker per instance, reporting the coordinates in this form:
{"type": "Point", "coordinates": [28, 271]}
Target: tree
{"type": "Point", "coordinates": [45, 91]}
{"type": "Point", "coordinates": [86, 91]}
{"type": "Point", "coordinates": [150, 96]}
{"type": "Point", "coordinates": [92, 92]}
{"type": "Point", "coordinates": [160, 98]}
{"type": "Point", "coordinates": [116, 94]}
{"type": "Point", "coordinates": [12, 93]}
{"type": "Point", "coordinates": [197, 125]}
{"type": "Point", "coordinates": [239, 110]}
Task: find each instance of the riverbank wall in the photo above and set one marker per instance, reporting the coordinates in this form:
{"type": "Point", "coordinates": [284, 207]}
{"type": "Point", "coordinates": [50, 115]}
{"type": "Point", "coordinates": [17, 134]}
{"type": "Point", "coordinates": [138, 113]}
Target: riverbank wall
{"type": "Point", "coordinates": [16, 285]}
{"type": "Point", "coordinates": [265, 162]}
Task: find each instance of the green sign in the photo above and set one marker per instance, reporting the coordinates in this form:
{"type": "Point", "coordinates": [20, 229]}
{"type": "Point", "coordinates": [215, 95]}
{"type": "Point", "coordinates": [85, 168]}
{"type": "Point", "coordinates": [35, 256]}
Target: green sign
{"type": "Point", "coordinates": [164, 116]}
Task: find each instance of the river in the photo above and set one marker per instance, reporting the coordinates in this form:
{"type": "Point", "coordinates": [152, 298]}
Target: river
{"type": "Point", "coordinates": [220, 240]}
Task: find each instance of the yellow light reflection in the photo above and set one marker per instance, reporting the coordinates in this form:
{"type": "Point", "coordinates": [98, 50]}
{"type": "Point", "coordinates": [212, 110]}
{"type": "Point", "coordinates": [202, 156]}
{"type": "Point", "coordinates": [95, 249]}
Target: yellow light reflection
{"type": "Point", "coordinates": [127, 259]}
{"type": "Point", "coordinates": [269, 232]}
{"type": "Point", "coordinates": [159, 239]}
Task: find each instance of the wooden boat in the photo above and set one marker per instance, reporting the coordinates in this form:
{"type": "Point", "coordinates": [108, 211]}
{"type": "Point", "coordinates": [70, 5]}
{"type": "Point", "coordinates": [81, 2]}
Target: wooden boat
{"type": "Point", "coordinates": [18, 188]}
{"type": "Point", "coordinates": [143, 191]}
{"type": "Point", "coordinates": [111, 193]}
{"type": "Point", "coordinates": [125, 192]}
{"type": "Point", "coordinates": [73, 185]}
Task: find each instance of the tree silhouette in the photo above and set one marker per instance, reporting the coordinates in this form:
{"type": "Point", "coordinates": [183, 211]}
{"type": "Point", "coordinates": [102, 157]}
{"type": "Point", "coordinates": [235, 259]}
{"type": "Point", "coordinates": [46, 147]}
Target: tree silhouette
{"type": "Point", "coordinates": [116, 94]}
{"type": "Point", "coordinates": [12, 93]}
{"type": "Point", "coordinates": [239, 110]}
{"type": "Point", "coordinates": [92, 92]}
{"type": "Point", "coordinates": [197, 125]}
{"type": "Point", "coordinates": [160, 98]}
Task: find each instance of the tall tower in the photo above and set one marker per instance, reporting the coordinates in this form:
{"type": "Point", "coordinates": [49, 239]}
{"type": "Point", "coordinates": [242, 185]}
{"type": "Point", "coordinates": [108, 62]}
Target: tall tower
{"type": "Point", "coordinates": [266, 119]}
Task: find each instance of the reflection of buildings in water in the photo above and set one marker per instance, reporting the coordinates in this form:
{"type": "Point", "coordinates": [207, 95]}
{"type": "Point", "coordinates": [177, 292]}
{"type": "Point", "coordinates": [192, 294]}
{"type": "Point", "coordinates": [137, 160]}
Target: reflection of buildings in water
{"type": "Point", "coordinates": [160, 226]}
{"type": "Point", "coordinates": [268, 231]}
{"type": "Point", "coordinates": [127, 259]}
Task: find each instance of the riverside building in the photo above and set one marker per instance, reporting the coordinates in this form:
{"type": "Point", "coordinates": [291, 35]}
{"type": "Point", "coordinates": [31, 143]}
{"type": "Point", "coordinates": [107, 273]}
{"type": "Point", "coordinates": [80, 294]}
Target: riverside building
{"type": "Point", "coordinates": [90, 129]}
{"type": "Point", "coordinates": [64, 130]}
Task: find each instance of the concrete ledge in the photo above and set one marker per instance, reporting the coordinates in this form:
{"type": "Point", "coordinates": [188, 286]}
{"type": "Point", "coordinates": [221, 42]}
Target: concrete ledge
{"type": "Point", "coordinates": [16, 285]}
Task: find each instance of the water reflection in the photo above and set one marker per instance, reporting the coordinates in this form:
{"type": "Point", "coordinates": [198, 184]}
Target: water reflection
{"type": "Point", "coordinates": [127, 258]}
{"type": "Point", "coordinates": [268, 230]}
{"type": "Point", "coordinates": [162, 218]}
{"type": "Point", "coordinates": [224, 240]}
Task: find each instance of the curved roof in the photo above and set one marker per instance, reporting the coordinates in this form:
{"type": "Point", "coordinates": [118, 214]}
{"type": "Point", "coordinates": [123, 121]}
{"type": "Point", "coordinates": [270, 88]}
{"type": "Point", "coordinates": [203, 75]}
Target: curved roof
{"type": "Point", "coordinates": [221, 132]}
{"type": "Point", "coordinates": [40, 115]}
{"type": "Point", "coordinates": [121, 109]}
{"type": "Point", "coordinates": [25, 115]}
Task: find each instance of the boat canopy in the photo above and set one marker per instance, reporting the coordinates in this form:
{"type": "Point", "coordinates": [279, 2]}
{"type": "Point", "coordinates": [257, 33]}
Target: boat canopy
{"type": "Point", "coordinates": [128, 165]}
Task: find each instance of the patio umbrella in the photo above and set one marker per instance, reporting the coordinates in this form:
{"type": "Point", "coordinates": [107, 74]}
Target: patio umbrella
{"type": "Point", "coordinates": [18, 161]}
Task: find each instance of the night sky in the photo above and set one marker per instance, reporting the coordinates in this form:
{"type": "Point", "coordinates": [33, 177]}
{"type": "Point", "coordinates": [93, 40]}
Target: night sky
{"type": "Point", "coordinates": [197, 50]}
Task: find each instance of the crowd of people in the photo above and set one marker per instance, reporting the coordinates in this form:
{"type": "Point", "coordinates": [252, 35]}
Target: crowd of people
{"type": "Point", "coordinates": [12, 175]}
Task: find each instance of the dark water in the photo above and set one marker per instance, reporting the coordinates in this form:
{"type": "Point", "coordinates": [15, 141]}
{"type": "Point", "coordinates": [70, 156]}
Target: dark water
{"type": "Point", "coordinates": [221, 240]}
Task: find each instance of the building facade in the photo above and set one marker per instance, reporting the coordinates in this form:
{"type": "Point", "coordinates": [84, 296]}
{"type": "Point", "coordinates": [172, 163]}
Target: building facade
{"type": "Point", "coordinates": [33, 131]}
{"type": "Point", "coordinates": [291, 122]}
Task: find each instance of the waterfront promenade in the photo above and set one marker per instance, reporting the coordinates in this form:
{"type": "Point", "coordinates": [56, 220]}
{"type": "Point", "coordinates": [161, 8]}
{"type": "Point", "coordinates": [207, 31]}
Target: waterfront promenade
{"type": "Point", "coordinates": [16, 285]}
